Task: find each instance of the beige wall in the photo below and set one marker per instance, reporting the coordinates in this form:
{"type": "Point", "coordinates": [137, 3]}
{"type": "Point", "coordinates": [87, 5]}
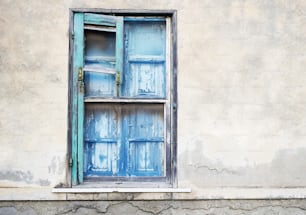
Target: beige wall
{"type": "Point", "coordinates": [241, 92]}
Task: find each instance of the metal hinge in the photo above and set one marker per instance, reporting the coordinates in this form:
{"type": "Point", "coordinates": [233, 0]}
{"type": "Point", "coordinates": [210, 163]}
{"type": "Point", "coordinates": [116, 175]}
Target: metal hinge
{"type": "Point", "coordinates": [174, 106]}
{"type": "Point", "coordinates": [70, 162]}
{"type": "Point", "coordinates": [80, 79]}
{"type": "Point", "coordinates": [72, 35]}
{"type": "Point", "coordinates": [80, 74]}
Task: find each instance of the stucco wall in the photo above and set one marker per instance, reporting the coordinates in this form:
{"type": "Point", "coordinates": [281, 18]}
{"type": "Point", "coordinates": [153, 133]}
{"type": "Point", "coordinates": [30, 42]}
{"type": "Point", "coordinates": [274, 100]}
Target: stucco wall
{"type": "Point", "coordinates": [241, 93]}
{"type": "Point", "coordinates": [288, 207]}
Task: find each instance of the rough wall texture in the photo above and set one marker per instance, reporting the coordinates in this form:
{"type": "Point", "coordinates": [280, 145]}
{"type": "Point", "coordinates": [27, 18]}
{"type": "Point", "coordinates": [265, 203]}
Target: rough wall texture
{"type": "Point", "coordinates": [156, 207]}
{"type": "Point", "coordinates": [241, 87]}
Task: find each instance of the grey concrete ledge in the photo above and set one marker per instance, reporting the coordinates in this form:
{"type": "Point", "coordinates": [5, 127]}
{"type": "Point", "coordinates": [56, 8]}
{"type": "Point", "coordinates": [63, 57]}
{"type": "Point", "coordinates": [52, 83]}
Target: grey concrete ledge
{"type": "Point", "coordinates": [245, 193]}
{"type": "Point", "coordinates": [15, 194]}
{"type": "Point", "coordinates": [121, 190]}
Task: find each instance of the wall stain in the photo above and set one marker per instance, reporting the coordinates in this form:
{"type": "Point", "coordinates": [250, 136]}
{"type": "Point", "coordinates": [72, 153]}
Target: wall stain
{"type": "Point", "coordinates": [57, 165]}
{"type": "Point", "coordinates": [284, 170]}
{"type": "Point", "coordinates": [22, 176]}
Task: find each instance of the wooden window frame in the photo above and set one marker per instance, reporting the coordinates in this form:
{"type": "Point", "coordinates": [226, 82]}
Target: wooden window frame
{"type": "Point", "coordinates": [171, 127]}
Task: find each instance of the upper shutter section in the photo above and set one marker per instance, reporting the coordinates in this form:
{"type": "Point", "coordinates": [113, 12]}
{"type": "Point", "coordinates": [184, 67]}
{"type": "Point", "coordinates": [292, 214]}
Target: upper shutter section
{"type": "Point", "coordinates": [145, 58]}
{"type": "Point", "coordinates": [103, 55]}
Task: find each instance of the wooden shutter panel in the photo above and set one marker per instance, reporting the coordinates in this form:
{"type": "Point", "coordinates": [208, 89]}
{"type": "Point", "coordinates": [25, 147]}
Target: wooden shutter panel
{"type": "Point", "coordinates": [145, 60]}
{"type": "Point", "coordinates": [143, 132]}
{"type": "Point", "coordinates": [102, 141]}
{"type": "Point", "coordinates": [103, 55]}
{"type": "Point", "coordinates": [77, 96]}
{"type": "Point", "coordinates": [98, 67]}
{"type": "Point", "coordinates": [103, 66]}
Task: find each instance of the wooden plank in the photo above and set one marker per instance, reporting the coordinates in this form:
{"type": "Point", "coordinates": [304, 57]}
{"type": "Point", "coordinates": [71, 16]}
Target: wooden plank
{"type": "Point", "coordinates": [155, 181]}
{"type": "Point", "coordinates": [174, 101]}
{"type": "Point", "coordinates": [146, 58]}
{"type": "Point", "coordinates": [77, 63]}
{"type": "Point", "coordinates": [125, 12]}
{"type": "Point", "coordinates": [80, 130]}
{"type": "Point", "coordinates": [70, 102]}
{"type": "Point", "coordinates": [99, 19]}
{"type": "Point", "coordinates": [167, 120]}
{"type": "Point", "coordinates": [119, 53]}
{"type": "Point", "coordinates": [99, 28]}
{"type": "Point", "coordinates": [114, 100]}
{"type": "Point", "coordinates": [156, 139]}
{"type": "Point", "coordinates": [100, 70]}
{"type": "Point", "coordinates": [100, 58]}
{"type": "Point", "coordinates": [144, 18]}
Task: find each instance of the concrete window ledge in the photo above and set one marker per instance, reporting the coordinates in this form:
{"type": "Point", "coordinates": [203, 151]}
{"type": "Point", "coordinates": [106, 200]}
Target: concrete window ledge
{"type": "Point", "coordinates": [121, 190]}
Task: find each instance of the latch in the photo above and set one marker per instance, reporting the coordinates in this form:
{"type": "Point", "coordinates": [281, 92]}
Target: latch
{"type": "Point", "coordinates": [80, 79]}
{"type": "Point", "coordinates": [118, 82]}
{"type": "Point", "coordinates": [80, 74]}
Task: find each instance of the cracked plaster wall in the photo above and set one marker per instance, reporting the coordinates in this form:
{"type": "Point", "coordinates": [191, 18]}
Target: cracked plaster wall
{"type": "Point", "coordinates": [241, 92]}
{"type": "Point", "coordinates": [276, 207]}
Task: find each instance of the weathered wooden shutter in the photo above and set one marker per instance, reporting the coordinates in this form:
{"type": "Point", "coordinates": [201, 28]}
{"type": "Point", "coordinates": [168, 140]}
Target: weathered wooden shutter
{"type": "Point", "coordinates": [145, 57]}
{"type": "Point", "coordinates": [78, 63]}
{"type": "Point", "coordinates": [98, 50]}
{"type": "Point", "coordinates": [103, 68]}
{"type": "Point", "coordinates": [114, 134]}
{"type": "Point", "coordinates": [103, 55]}
{"type": "Point", "coordinates": [143, 131]}
{"type": "Point", "coordinates": [144, 78]}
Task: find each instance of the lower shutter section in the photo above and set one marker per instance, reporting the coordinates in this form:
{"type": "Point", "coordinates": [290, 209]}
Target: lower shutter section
{"type": "Point", "coordinates": [124, 140]}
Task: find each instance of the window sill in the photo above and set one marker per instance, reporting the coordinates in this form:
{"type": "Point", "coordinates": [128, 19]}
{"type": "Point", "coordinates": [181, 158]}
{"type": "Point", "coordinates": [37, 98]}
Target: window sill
{"type": "Point", "coordinates": [121, 190]}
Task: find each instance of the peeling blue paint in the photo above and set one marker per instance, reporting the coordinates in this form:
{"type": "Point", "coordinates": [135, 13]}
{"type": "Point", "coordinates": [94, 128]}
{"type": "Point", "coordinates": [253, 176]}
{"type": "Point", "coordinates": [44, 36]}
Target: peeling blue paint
{"type": "Point", "coordinates": [123, 60]}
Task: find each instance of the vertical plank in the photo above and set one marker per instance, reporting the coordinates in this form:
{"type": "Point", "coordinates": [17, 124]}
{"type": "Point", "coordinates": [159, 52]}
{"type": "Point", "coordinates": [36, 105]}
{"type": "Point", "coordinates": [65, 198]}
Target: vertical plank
{"type": "Point", "coordinates": [167, 108]}
{"type": "Point", "coordinates": [80, 130]}
{"type": "Point", "coordinates": [119, 53]}
{"type": "Point", "coordinates": [174, 100]}
{"type": "Point", "coordinates": [77, 137]}
{"type": "Point", "coordinates": [71, 112]}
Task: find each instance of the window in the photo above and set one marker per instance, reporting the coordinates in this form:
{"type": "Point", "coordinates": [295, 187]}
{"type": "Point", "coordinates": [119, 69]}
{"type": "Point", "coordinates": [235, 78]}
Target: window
{"type": "Point", "coordinates": [122, 97]}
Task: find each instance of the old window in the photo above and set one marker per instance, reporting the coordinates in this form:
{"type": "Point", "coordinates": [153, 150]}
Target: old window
{"type": "Point", "coordinates": [122, 98]}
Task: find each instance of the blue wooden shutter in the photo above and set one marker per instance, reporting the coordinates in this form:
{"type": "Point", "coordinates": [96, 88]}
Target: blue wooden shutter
{"type": "Point", "coordinates": [118, 140]}
{"type": "Point", "coordinates": [103, 66]}
{"type": "Point", "coordinates": [97, 61]}
{"type": "Point", "coordinates": [145, 78]}
{"type": "Point", "coordinates": [77, 104]}
{"type": "Point", "coordinates": [145, 59]}
{"type": "Point", "coordinates": [102, 143]}
{"type": "Point", "coordinates": [103, 55]}
{"type": "Point", "coordinates": [143, 132]}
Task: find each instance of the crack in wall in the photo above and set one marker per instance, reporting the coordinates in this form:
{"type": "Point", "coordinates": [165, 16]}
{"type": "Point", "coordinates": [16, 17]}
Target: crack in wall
{"type": "Point", "coordinates": [211, 207]}
{"type": "Point", "coordinates": [214, 169]}
{"type": "Point", "coordinates": [151, 211]}
{"type": "Point", "coordinates": [95, 207]}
